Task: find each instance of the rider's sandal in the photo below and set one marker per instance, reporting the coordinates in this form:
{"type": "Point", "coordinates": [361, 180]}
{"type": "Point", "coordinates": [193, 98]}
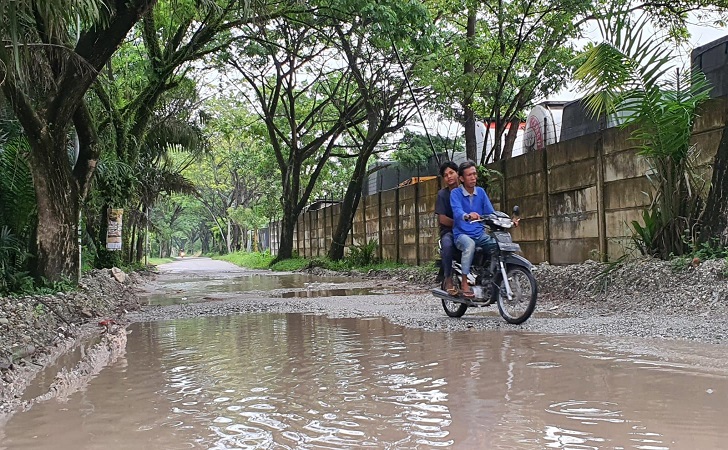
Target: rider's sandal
{"type": "Point", "coordinates": [468, 294]}
{"type": "Point", "coordinates": [453, 291]}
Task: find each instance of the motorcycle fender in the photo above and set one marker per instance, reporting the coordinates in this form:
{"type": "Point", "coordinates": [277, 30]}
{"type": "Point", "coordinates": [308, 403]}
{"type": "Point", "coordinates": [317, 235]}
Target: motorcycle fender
{"type": "Point", "coordinates": [509, 260]}
{"type": "Point", "coordinates": [517, 260]}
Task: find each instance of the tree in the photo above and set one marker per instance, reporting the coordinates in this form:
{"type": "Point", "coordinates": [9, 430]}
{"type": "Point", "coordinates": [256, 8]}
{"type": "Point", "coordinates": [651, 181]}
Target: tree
{"type": "Point", "coordinates": [151, 86]}
{"type": "Point", "coordinates": [379, 77]}
{"type": "Point", "coordinates": [500, 57]}
{"type": "Point", "coordinates": [415, 149]}
{"type": "Point", "coordinates": [237, 174]}
{"type": "Point", "coordinates": [627, 76]}
{"type": "Point", "coordinates": [302, 94]}
{"type": "Point", "coordinates": [46, 73]}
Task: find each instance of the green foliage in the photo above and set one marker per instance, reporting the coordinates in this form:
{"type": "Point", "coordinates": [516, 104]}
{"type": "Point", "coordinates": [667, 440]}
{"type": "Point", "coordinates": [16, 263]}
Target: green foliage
{"type": "Point", "coordinates": [645, 235]}
{"type": "Point", "coordinates": [625, 77]}
{"type": "Point", "coordinates": [22, 21]}
{"type": "Point", "coordinates": [709, 250]}
{"type": "Point", "coordinates": [39, 310]}
{"type": "Point", "coordinates": [603, 278]}
{"type": "Point", "coordinates": [12, 261]}
{"type": "Point", "coordinates": [516, 53]}
{"type": "Point", "coordinates": [414, 149]}
{"type": "Point", "coordinates": [490, 179]}
{"type": "Point", "coordinates": [17, 197]}
{"type": "Point", "coordinates": [699, 252]}
{"type": "Point", "coordinates": [158, 261]}
{"type": "Point", "coordinates": [252, 260]}
{"type": "Point", "coordinates": [364, 254]}
{"type": "Point", "coordinates": [17, 211]}
{"type": "Point", "coordinates": [47, 287]}
{"type": "Point", "coordinates": [290, 265]}
{"type": "Point", "coordinates": [108, 258]}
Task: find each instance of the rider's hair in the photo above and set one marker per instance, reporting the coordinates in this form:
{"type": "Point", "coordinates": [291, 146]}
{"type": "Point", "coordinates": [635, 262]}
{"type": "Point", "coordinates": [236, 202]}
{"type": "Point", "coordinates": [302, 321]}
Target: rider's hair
{"type": "Point", "coordinates": [447, 165]}
{"type": "Point", "coordinates": [466, 165]}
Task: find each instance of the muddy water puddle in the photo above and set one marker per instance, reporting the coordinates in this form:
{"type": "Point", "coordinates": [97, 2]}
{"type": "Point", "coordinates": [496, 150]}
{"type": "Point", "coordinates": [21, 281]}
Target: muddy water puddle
{"type": "Point", "coordinates": [187, 288]}
{"type": "Point", "coordinates": [285, 381]}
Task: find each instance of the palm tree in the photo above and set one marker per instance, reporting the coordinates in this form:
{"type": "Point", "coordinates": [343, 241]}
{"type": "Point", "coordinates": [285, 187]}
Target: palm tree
{"type": "Point", "coordinates": [52, 52]}
{"type": "Point", "coordinates": [169, 148]}
{"type": "Point", "coordinates": [630, 76]}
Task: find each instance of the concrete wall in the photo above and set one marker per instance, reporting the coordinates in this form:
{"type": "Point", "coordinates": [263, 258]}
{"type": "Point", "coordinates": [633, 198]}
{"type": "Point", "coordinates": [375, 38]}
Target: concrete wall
{"type": "Point", "coordinates": [578, 199]}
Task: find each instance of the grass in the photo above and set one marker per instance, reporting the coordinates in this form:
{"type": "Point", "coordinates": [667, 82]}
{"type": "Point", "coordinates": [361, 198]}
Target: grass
{"type": "Point", "coordinates": [255, 260]}
{"type": "Point", "coordinates": [158, 261]}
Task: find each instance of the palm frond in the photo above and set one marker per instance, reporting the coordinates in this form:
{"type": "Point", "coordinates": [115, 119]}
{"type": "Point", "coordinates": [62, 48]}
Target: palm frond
{"type": "Point", "coordinates": [17, 196]}
{"type": "Point", "coordinates": [175, 134]}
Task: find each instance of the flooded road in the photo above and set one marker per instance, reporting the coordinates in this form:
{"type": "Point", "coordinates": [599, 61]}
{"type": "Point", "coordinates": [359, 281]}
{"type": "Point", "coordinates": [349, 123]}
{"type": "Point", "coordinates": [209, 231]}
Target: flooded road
{"type": "Point", "coordinates": [305, 381]}
{"type": "Point", "coordinates": [290, 381]}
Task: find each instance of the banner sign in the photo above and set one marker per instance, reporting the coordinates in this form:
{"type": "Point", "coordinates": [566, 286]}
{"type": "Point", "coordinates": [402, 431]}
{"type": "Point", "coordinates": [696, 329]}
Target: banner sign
{"type": "Point", "coordinates": [113, 232]}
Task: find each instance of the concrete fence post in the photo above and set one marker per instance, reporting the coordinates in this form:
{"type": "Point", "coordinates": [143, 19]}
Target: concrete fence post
{"type": "Point", "coordinates": [397, 226]}
{"type": "Point", "coordinates": [379, 224]}
{"type": "Point", "coordinates": [601, 212]}
{"type": "Point", "coordinates": [546, 208]}
{"type": "Point", "coordinates": [417, 218]}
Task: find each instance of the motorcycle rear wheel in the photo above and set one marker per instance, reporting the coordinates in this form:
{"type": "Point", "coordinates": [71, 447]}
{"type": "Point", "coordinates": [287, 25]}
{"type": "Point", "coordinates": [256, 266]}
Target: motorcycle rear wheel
{"type": "Point", "coordinates": [521, 306]}
{"type": "Point", "coordinates": [454, 309]}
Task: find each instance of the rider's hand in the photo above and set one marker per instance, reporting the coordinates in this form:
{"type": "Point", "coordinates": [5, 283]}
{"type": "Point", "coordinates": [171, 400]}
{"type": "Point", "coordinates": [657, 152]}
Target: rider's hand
{"type": "Point", "coordinates": [472, 216]}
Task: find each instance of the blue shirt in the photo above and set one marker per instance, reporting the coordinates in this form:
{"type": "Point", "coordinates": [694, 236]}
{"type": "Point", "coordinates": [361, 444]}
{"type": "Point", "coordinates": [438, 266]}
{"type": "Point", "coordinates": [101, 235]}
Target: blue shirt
{"type": "Point", "coordinates": [463, 203]}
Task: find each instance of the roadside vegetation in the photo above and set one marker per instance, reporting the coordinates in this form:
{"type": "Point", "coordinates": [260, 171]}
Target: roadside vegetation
{"type": "Point", "coordinates": [206, 121]}
{"type": "Point", "coordinates": [264, 260]}
{"type": "Point", "coordinates": [630, 77]}
{"type": "Point", "coordinates": [158, 261]}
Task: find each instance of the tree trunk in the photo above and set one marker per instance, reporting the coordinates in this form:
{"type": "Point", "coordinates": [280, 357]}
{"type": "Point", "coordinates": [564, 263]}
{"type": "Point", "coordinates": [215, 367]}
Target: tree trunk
{"type": "Point", "coordinates": [229, 238]}
{"type": "Point", "coordinates": [292, 207]}
{"type": "Point", "coordinates": [285, 248]}
{"type": "Point", "coordinates": [131, 233]}
{"type": "Point", "coordinates": [348, 209]}
{"type": "Point", "coordinates": [58, 206]}
{"type": "Point", "coordinates": [511, 138]}
{"type": "Point", "coordinates": [140, 246]}
{"type": "Point", "coordinates": [471, 147]}
{"type": "Point", "coordinates": [715, 219]}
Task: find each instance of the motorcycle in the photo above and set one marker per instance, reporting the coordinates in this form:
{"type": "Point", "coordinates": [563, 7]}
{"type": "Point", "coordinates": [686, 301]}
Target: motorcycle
{"type": "Point", "coordinates": [503, 277]}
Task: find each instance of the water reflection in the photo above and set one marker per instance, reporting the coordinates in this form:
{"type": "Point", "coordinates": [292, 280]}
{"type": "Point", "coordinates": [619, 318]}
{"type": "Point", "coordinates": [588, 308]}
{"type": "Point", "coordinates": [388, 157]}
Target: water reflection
{"type": "Point", "coordinates": [192, 288]}
{"type": "Point", "coordinates": [305, 381]}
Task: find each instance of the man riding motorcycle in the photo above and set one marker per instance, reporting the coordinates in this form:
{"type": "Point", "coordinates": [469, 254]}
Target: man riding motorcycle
{"type": "Point", "coordinates": [469, 202]}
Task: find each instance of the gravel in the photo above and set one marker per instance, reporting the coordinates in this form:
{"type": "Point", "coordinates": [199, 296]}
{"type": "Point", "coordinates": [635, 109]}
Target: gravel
{"type": "Point", "coordinates": [645, 298]}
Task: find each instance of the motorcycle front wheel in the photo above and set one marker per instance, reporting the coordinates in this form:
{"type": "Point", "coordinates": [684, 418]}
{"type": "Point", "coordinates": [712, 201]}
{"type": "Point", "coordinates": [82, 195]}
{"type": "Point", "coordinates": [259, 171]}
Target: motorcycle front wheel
{"type": "Point", "coordinates": [523, 286]}
{"type": "Point", "coordinates": [454, 309]}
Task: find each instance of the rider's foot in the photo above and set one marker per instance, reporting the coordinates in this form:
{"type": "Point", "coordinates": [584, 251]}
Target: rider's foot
{"type": "Point", "coordinates": [467, 293]}
{"type": "Point", "coordinates": [449, 288]}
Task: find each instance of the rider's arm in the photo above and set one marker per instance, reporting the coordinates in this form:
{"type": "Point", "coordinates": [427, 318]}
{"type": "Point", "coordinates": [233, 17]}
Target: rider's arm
{"type": "Point", "coordinates": [442, 210]}
{"type": "Point", "coordinates": [442, 219]}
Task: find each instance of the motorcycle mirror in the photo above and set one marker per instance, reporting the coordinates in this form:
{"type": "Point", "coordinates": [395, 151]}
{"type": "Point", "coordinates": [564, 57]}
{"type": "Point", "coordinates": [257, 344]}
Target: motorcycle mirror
{"type": "Point", "coordinates": [516, 211]}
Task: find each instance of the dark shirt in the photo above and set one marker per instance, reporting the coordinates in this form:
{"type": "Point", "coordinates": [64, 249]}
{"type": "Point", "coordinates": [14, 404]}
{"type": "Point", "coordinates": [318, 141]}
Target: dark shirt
{"type": "Point", "coordinates": [442, 206]}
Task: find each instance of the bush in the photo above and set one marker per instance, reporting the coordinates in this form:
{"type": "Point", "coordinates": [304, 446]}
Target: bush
{"type": "Point", "coordinates": [251, 260]}
{"type": "Point", "coordinates": [12, 261]}
{"type": "Point", "coordinates": [363, 255]}
{"type": "Point", "coordinates": [290, 265]}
